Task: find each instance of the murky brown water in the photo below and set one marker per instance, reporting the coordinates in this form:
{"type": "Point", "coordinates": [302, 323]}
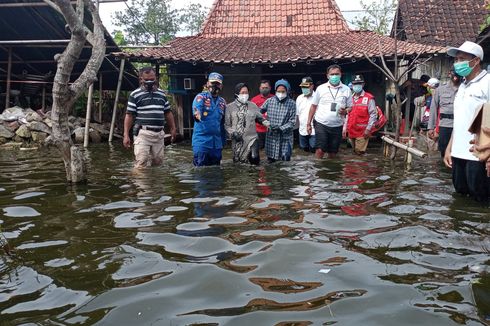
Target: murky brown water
{"type": "Point", "coordinates": [352, 242]}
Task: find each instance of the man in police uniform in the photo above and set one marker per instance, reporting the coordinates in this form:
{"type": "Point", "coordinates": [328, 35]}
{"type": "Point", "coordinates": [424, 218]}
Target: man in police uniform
{"type": "Point", "coordinates": [149, 110]}
{"type": "Point", "coordinates": [209, 134]}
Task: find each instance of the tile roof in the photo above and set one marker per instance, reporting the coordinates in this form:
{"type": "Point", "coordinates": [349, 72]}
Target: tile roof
{"type": "Point", "coordinates": [346, 45]}
{"type": "Point", "coordinates": [258, 18]}
{"type": "Point", "coordinates": [442, 22]}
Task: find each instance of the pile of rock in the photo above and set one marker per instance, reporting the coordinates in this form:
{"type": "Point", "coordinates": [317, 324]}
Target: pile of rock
{"type": "Point", "coordinates": [28, 127]}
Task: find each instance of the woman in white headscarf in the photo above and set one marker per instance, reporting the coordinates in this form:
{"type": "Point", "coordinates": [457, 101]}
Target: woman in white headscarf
{"type": "Point", "coordinates": [240, 118]}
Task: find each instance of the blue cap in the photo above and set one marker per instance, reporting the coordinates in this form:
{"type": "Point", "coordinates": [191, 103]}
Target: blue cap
{"type": "Point", "coordinates": [283, 82]}
{"type": "Point", "coordinates": [215, 77]}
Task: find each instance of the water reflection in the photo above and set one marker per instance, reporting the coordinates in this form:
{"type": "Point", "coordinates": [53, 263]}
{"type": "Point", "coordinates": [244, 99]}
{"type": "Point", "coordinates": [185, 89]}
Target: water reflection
{"type": "Point", "coordinates": [238, 245]}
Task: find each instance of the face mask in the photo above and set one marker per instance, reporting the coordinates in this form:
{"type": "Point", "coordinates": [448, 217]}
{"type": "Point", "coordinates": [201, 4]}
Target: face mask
{"type": "Point", "coordinates": [334, 79]}
{"type": "Point", "coordinates": [149, 85]}
{"type": "Point", "coordinates": [306, 91]}
{"type": "Point", "coordinates": [357, 88]}
{"type": "Point", "coordinates": [243, 98]}
{"type": "Point", "coordinates": [265, 91]}
{"type": "Point", "coordinates": [214, 89]}
{"type": "Point", "coordinates": [463, 68]}
{"type": "Point", "coordinates": [281, 96]}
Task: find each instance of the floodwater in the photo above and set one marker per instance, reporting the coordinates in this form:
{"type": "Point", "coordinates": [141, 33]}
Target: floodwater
{"type": "Point", "coordinates": [358, 241]}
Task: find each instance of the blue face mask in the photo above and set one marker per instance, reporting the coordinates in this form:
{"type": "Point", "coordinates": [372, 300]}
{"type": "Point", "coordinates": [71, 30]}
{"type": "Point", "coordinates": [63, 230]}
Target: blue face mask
{"type": "Point", "coordinates": [334, 79]}
{"type": "Point", "coordinates": [357, 88]}
{"type": "Point", "coordinates": [463, 68]}
{"type": "Point", "coordinates": [306, 91]}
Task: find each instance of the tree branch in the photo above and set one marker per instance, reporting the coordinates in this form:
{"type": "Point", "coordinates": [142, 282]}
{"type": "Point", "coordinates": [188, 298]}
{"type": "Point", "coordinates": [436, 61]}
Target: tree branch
{"type": "Point", "coordinates": [379, 67]}
{"type": "Point", "coordinates": [89, 74]}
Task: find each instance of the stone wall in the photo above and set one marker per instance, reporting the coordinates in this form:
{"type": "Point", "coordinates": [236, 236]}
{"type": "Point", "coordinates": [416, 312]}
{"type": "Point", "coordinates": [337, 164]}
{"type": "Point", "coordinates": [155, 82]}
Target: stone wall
{"type": "Point", "coordinates": [26, 127]}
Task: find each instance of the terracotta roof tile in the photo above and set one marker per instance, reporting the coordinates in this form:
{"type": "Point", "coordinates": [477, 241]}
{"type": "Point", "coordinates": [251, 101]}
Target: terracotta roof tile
{"type": "Point", "coordinates": [258, 18]}
{"type": "Point", "coordinates": [441, 22]}
{"type": "Point", "coordinates": [346, 45]}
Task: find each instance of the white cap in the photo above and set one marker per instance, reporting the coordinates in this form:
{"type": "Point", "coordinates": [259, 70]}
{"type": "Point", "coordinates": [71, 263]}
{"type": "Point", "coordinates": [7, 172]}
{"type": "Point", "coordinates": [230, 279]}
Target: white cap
{"type": "Point", "coordinates": [467, 47]}
{"type": "Point", "coordinates": [433, 82]}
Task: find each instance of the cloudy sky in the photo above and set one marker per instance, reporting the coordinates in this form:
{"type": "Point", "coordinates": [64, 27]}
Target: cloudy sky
{"type": "Point", "coordinates": [108, 9]}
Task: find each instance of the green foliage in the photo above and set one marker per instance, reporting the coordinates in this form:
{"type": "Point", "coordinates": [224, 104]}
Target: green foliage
{"type": "Point", "coordinates": [193, 17]}
{"type": "Point", "coordinates": [118, 37]}
{"type": "Point", "coordinates": [147, 22]}
{"type": "Point", "coordinates": [486, 23]}
{"type": "Point", "coordinates": [377, 17]}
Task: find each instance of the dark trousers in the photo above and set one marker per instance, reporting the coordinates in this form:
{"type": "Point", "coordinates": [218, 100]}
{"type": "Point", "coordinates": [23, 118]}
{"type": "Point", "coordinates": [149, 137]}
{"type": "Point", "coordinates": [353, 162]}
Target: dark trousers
{"type": "Point", "coordinates": [470, 178]}
{"type": "Point", "coordinates": [261, 139]}
{"type": "Point", "coordinates": [207, 157]}
{"type": "Point", "coordinates": [444, 137]}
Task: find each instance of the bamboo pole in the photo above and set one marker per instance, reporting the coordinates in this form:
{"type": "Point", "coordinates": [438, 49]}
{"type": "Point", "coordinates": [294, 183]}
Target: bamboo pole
{"type": "Point", "coordinates": [118, 90]}
{"type": "Point", "coordinates": [44, 99]}
{"type": "Point", "coordinates": [407, 148]}
{"type": "Point", "coordinates": [100, 98]}
{"type": "Point", "coordinates": [9, 73]}
{"type": "Point", "coordinates": [87, 116]}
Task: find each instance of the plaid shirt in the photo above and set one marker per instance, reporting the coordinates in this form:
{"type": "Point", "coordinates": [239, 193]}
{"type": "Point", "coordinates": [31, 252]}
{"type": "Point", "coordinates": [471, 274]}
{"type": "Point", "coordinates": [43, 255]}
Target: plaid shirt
{"type": "Point", "coordinates": [281, 114]}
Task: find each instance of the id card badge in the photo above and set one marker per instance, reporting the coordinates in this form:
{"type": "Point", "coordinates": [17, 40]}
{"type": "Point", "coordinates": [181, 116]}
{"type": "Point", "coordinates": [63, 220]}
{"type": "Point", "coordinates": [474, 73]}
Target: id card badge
{"type": "Point", "coordinates": [333, 107]}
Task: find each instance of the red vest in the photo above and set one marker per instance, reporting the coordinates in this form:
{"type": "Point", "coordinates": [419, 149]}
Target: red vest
{"type": "Point", "coordinates": [259, 100]}
{"type": "Point", "coordinates": [359, 116]}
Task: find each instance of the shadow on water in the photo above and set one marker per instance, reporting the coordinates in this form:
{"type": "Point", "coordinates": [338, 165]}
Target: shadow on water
{"type": "Point", "coordinates": [357, 241]}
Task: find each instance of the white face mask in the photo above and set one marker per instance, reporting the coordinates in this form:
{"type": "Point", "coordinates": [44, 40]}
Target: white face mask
{"type": "Point", "coordinates": [281, 96]}
{"type": "Point", "coordinates": [243, 98]}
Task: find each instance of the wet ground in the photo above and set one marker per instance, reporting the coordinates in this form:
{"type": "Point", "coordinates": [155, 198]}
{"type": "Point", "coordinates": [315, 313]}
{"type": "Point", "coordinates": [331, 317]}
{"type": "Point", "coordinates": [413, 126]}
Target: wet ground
{"type": "Point", "coordinates": [357, 241]}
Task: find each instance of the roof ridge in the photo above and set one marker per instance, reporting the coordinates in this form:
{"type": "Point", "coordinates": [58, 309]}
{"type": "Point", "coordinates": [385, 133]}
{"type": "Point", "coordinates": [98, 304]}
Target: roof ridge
{"type": "Point", "coordinates": [252, 18]}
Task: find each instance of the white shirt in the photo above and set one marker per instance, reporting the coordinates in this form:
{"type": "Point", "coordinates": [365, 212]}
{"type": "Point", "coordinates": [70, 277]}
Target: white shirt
{"type": "Point", "coordinates": [303, 105]}
{"type": "Point", "coordinates": [470, 97]}
{"type": "Point", "coordinates": [327, 94]}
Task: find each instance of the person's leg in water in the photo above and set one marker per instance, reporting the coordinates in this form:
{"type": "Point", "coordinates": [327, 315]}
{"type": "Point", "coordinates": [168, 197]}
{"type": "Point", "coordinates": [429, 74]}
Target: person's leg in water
{"type": "Point", "coordinates": [254, 156]}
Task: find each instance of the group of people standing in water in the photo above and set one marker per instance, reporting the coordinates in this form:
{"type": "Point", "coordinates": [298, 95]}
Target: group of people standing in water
{"type": "Point", "coordinates": [325, 116]}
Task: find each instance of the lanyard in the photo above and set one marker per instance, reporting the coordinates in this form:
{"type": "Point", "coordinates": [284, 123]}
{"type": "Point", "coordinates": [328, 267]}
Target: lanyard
{"type": "Point", "coordinates": [334, 97]}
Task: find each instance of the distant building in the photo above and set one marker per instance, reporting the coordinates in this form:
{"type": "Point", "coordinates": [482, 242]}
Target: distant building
{"type": "Point", "coordinates": [444, 23]}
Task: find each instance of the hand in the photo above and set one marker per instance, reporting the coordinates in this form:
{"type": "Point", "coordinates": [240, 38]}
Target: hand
{"type": "Point", "coordinates": [448, 160]}
{"type": "Point", "coordinates": [173, 133]}
{"type": "Point", "coordinates": [236, 136]}
{"type": "Point", "coordinates": [367, 134]}
{"type": "Point", "coordinates": [343, 111]}
{"type": "Point", "coordinates": [266, 123]}
{"type": "Point", "coordinates": [309, 129]}
{"type": "Point", "coordinates": [126, 141]}
{"type": "Point", "coordinates": [197, 116]}
{"type": "Point", "coordinates": [430, 133]}
{"type": "Point", "coordinates": [275, 129]}
{"type": "Point", "coordinates": [344, 133]}
{"type": "Point", "coordinates": [484, 150]}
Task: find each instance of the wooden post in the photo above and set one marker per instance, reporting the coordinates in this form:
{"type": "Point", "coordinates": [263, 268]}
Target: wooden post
{"type": "Point", "coordinates": [118, 90]}
{"type": "Point", "coordinates": [87, 115]}
{"type": "Point", "coordinates": [100, 98]}
{"type": "Point", "coordinates": [9, 73]}
{"type": "Point", "coordinates": [44, 99]}
{"type": "Point", "coordinates": [407, 105]}
{"type": "Point", "coordinates": [409, 154]}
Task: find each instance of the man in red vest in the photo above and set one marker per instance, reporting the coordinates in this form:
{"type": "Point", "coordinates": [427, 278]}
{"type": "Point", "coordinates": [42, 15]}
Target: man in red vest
{"type": "Point", "coordinates": [361, 118]}
{"type": "Point", "coordinates": [259, 100]}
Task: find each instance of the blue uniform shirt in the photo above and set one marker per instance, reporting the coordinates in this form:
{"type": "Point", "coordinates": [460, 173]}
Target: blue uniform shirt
{"type": "Point", "coordinates": [209, 133]}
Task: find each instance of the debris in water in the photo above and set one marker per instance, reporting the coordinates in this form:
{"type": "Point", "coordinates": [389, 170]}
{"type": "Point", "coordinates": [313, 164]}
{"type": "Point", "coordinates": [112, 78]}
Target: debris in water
{"type": "Point", "coordinates": [324, 271]}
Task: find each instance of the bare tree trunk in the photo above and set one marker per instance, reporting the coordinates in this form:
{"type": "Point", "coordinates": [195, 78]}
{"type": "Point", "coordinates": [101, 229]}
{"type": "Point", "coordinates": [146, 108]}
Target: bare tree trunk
{"type": "Point", "coordinates": [66, 94]}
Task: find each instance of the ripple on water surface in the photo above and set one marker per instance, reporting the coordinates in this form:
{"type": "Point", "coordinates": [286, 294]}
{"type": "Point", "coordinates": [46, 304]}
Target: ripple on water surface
{"type": "Point", "coordinates": [305, 242]}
